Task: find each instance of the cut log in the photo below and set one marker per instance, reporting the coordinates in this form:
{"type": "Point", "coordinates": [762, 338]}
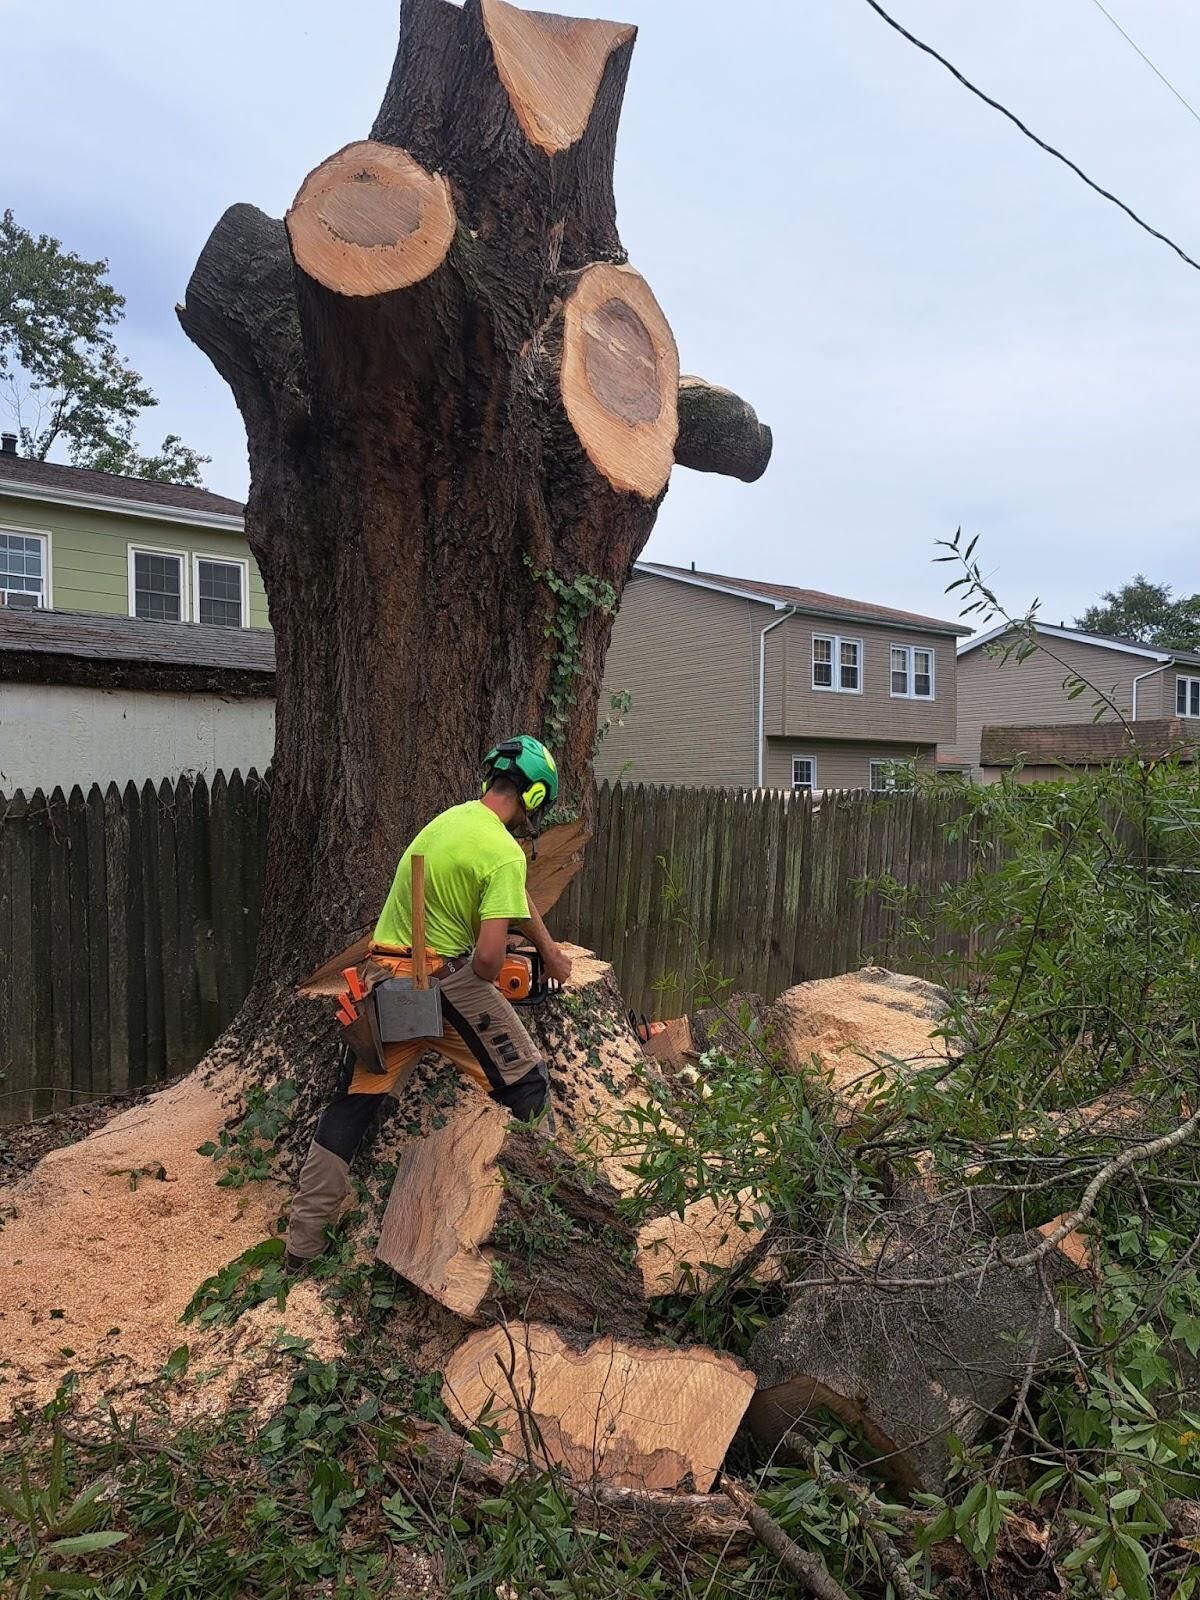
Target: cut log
{"type": "Point", "coordinates": [551, 68]}
{"type": "Point", "coordinates": [620, 378]}
{"type": "Point", "coordinates": [680, 1255]}
{"type": "Point", "coordinates": [909, 1366]}
{"type": "Point", "coordinates": [627, 1414]}
{"type": "Point", "coordinates": [369, 220]}
{"type": "Point", "coordinates": [857, 1028]}
{"type": "Point", "coordinates": [490, 1218]}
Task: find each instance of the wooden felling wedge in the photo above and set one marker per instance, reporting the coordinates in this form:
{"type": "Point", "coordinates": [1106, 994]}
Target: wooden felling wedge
{"type": "Point", "coordinates": [634, 1415]}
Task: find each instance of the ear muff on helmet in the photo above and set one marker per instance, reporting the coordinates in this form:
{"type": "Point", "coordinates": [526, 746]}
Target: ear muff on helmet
{"type": "Point", "coordinates": [533, 797]}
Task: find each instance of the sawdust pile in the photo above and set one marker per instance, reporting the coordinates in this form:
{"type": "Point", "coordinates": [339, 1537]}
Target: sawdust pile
{"type": "Point", "coordinates": [99, 1254]}
{"type": "Point", "coordinates": [860, 1024]}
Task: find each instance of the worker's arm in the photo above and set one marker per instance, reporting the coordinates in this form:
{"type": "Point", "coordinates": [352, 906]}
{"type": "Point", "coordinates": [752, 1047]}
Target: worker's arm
{"type": "Point", "coordinates": [490, 948]}
{"type": "Point", "coordinates": [556, 963]}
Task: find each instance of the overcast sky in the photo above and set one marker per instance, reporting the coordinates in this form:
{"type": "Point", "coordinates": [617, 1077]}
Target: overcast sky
{"type": "Point", "coordinates": [941, 324]}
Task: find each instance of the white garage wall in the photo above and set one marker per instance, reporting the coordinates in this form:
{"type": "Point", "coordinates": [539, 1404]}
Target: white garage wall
{"type": "Point", "coordinates": [54, 734]}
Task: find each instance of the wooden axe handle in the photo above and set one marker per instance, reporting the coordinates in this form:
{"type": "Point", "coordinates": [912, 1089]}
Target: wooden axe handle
{"type": "Point", "coordinates": [420, 964]}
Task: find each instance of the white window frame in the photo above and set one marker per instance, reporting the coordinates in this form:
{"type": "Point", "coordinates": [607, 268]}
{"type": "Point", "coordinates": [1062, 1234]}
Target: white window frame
{"type": "Point", "coordinates": [893, 762]}
{"type": "Point", "coordinates": [159, 550]}
{"type": "Point", "coordinates": [837, 640]}
{"type": "Point", "coordinates": [910, 668]}
{"type": "Point", "coordinates": [226, 561]}
{"type": "Point", "coordinates": [47, 568]}
{"type": "Point", "coordinates": [812, 786]}
{"type": "Point", "coordinates": [1190, 680]}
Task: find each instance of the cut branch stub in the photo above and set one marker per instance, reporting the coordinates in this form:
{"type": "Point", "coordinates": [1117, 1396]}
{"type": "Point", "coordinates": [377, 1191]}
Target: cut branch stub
{"type": "Point", "coordinates": [620, 378]}
{"type": "Point", "coordinates": [551, 68]}
{"type": "Point", "coordinates": [720, 432]}
{"type": "Point", "coordinates": [370, 220]}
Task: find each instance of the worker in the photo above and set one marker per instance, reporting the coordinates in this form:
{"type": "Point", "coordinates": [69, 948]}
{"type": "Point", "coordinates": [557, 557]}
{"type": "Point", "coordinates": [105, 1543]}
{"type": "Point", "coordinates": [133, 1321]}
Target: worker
{"type": "Point", "coordinates": [474, 893]}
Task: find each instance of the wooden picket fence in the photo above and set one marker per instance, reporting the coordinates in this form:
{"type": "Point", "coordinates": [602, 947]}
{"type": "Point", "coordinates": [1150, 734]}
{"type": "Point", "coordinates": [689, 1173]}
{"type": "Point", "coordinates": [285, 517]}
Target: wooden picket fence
{"type": "Point", "coordinates": [765, 889]}
{"type": "Point", "coordinates": [128, 918]}
{"type": "Point", "coordinates": [128, 923]}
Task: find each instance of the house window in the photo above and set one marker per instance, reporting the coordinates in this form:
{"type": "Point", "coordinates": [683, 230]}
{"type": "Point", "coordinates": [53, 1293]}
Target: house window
{"type": "Point", "coordinates": [1187, 697]}
{"type": "Point", "coordinates": [804, 774]}
{"type": "Point", "coordinates": [220, 589]}
{"type": "Point", "coordinates": [822, 662]}
{"type": "Point", "coordinates": [912, 672]}
{"type": "Point", "coordinates": [156, 585]}
{"type": "Point", "coordinates": [23, 567]}
{"type": "Point", "coordinates": [891, 777]}
{"type": "Point", "coordinates": [836, 663]}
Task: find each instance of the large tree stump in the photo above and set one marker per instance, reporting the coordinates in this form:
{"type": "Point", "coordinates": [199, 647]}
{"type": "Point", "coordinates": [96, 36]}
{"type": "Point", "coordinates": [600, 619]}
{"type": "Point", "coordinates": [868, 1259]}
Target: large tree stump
{"type": "Point", "coordinates": [629, 1414]}
{"type": "Point", "coordinates": [461, 402]}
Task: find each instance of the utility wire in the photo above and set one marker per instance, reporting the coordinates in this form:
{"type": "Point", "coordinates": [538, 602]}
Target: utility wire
{"type": "Point", "coordinates": [1134, 45]}
{"type": "Point", "coordinates": [1105, 194]}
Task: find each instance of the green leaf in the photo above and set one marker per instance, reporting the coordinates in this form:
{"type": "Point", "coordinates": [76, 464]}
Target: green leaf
{"type": "Point", "coordinates": [86, 1544]}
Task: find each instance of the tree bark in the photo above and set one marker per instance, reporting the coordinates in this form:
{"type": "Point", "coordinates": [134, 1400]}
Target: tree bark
{"type": "Point", "coordinates": [460, 401]}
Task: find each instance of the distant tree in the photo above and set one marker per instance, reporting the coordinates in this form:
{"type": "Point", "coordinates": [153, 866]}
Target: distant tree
{"type": "Point", "coordinates": [1146, 612]}
{"type": "Point", "coordinates": [61, 373]}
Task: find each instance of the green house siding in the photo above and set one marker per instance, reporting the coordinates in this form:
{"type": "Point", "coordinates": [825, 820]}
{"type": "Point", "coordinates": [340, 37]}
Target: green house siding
{"type": "Point", "coordinates": [89, 552]}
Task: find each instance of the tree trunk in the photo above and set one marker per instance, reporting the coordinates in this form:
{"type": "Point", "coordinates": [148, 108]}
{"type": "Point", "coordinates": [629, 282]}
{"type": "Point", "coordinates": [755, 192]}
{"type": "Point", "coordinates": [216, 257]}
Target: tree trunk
{"type": "Point", "coordinates": [461, 410]}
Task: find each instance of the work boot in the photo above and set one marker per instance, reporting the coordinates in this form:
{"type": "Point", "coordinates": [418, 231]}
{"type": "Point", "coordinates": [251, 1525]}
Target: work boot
{"type": "Point", "coordinates": [324, 1185]}
{"type": "Point", "coordinates": [296, 1264]}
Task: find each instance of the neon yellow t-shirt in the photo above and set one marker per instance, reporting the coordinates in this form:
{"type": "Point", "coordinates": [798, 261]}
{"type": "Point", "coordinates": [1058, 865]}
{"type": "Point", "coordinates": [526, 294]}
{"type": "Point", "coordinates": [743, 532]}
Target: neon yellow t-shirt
{"type": "Point", "coordinates": [474, 871]}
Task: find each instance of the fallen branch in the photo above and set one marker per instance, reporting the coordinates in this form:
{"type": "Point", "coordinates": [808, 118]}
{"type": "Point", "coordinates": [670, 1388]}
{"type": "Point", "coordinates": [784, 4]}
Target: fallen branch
{"type": "Point", "coordinates": [868, 1508]}
{"type": "Point", "coordinates": [811, 1571]}
{"type": "Point", "coordinates": [696, 1521]}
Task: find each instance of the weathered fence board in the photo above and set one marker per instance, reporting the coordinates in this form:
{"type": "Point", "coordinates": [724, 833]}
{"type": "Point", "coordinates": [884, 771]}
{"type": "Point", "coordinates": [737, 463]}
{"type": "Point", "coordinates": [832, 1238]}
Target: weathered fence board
{"type": "Point", "coordinates": [128, 919]}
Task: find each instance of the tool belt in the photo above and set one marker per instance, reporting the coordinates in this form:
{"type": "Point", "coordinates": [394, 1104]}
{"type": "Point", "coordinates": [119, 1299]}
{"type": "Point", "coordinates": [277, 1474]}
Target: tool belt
{"type": "Point", "coordinates": [380, 1006]}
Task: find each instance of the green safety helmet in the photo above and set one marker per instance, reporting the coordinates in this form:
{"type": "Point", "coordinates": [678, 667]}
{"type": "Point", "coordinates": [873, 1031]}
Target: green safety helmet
{"type": "Point", "coordinates": [529, 764]}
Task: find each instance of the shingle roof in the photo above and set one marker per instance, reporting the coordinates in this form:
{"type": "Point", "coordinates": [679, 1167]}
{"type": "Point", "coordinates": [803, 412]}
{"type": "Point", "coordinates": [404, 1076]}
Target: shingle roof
{"type": "Point", "coordinates": [1105, 641]}
{"type": "Point", "coordinates": [51, 475]}
{"type": "Point", "coordinates": [810, 600]}
{"type": "Point", "coordinates": [91, 636]}
{"type": "Point", "coordinates": [1081, 744]}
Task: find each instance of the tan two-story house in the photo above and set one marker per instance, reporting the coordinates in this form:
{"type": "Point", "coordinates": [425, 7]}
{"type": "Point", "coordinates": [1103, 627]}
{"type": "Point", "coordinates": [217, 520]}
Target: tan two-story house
{"type": "Point", "coordinates": [735, 682]}
{"type": "Point", "coordinates": [1141, 682]}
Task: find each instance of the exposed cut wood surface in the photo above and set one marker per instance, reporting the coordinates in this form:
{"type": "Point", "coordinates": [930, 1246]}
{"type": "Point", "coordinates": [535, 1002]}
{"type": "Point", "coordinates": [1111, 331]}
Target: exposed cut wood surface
{"type": "Point", "coordinates": [551, 68]}
{"type": "Point", "coordinates": [370, 219]}
{"type": "Point", "coordinates": [628, 1414]}
{"type": "Point", "coordinates": [443, 1207]}
{"type": "Point", "coordinates": [680, 1254]}
{"type": "Point", "coordinates": [620, 378]}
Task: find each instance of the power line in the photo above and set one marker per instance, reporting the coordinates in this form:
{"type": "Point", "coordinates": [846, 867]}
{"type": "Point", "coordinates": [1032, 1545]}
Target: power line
{"type": "Point", "coordinates": [1133, 44]}
{"type": "Point", "coordinates": [1105, 194]}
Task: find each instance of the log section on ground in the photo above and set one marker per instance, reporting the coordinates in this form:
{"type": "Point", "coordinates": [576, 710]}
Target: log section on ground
{"type": "Point", "coordinates": [909, 1366]}
{"type": "Point", "coordinates": [489, 1216]}
{"type": "Point", "coordinates": [628, 1414]}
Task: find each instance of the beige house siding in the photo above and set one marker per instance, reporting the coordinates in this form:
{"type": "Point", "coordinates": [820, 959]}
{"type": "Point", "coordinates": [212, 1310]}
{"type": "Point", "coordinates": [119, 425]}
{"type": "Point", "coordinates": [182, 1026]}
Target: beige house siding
{"type": "Point", "coordinates": [795, 708]}
{"type": "Point", "coordinates": [1032, 691]}
{"type": "Point", "coordinates": [689, 658]}
{"type": "Point", "coordinates": [840, 764]}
